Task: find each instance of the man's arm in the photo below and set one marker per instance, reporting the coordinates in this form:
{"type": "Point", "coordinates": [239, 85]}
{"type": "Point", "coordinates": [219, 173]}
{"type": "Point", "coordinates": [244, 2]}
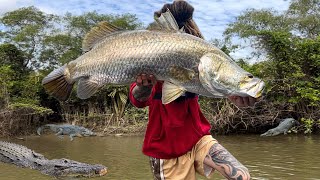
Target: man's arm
{"type": "Point", "coordinates": [222, 160]}
{"type": "Point", "coordinates": [143, 88]}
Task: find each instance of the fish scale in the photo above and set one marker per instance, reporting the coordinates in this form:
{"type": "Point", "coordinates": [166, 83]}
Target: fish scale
{"type": "Point", "coordinates": [184, 62]}
{"type": "Point", "coordinates": [143, 48]}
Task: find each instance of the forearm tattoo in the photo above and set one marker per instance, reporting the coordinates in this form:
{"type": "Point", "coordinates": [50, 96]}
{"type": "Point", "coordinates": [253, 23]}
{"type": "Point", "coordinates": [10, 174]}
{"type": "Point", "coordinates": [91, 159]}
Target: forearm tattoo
{"type": "Point", "coordinates": [141, 93]}
{"type": "Point", "coordinates": [231, 167]}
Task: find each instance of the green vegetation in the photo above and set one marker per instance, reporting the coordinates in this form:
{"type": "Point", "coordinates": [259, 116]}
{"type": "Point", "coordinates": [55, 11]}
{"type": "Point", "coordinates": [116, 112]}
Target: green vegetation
{"type": "Point", "coordinates": [33, 43]}
{"type": "Point", "coordinates": [290, 42]}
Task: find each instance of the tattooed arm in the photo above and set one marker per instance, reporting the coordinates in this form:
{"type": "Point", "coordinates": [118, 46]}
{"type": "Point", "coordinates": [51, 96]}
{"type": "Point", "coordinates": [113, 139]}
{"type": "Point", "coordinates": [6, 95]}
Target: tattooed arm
{"type": "Point", "coordinates": [142, 90]}
{"type": "Point", "coordinates": [221, 160]}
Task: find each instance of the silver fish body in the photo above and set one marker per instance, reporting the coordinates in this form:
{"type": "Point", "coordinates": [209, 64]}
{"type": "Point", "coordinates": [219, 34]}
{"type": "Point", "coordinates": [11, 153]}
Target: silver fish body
{"type": "Point", "coordinates": [121, 58]}
{"type": "Point", "coordinates": [184, 62]}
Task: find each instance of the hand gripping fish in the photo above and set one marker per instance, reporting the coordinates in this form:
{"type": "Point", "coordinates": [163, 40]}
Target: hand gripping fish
{"type": "Point", "coordinates": [184, 62]}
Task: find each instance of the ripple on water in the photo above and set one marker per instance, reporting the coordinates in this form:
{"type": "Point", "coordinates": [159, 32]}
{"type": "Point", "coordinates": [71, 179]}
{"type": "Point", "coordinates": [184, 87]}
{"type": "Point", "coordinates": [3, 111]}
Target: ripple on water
{"type": "Point", "coordinates": [281, 157]}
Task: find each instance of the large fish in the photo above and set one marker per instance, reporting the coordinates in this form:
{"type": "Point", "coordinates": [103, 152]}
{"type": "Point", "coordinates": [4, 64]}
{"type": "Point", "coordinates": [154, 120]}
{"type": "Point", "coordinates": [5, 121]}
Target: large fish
{"type": "Point", "coordinates": [184, 62]}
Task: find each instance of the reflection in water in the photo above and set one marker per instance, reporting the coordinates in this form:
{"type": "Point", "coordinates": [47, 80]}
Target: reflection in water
{"type": "Point", "coordinates": [279, 157]}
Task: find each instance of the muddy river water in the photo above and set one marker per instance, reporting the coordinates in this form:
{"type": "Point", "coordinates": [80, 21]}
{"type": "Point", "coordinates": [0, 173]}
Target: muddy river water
{"type": "Point", "coordinates": [289, 157]}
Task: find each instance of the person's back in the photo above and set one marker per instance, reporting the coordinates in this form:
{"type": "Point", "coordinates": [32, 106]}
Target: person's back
{"type": "Point", "coordinates": [177, 138]}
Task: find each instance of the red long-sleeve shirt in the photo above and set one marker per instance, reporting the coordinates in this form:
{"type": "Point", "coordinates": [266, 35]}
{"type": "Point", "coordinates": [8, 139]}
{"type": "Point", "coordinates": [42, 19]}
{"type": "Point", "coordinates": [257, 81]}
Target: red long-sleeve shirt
{"type": "Point", "coordinates": [173, 129]}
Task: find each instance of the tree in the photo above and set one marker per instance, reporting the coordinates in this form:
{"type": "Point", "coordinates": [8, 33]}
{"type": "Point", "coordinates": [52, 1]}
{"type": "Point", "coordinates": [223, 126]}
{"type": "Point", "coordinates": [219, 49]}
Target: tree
{"type": "Point", "coordinates": [25, 28]}
{"type": "Point", "coordinates": [302, 19]}
{"type": "Point", "coordinates": [290, 41]}
{"type": "Point", "coordinates": [14, 72]}
{"type": "Point", "coordinates": [6, 74]}
{"type": "Point", "coordinates": [10, 55]}
{"type": "Point", "coordinates": [66, 44]}
{"type": "Point", "coordinates": [33, 43]}
{"type": "Point", "coordinates": [305, 17]}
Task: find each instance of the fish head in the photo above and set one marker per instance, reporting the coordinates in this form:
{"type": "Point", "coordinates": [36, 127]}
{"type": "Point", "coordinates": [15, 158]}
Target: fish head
{"type": "Point", "coordinates": [218, 72]}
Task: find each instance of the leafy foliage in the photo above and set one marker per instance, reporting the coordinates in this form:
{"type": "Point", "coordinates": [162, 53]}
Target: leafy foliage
{"type": "Point", "coordinates": [34, 43]}
{"type": "Point", "coordinates": [26, 28]}
{"type": "Point", "coordinates": [5, 84]}
{"type": "Point", "coordinates": [10, 55]}
{"type": "Point", "coordinates": [290, 42]}
{"type": "Point", "coordinates": [30, 107]}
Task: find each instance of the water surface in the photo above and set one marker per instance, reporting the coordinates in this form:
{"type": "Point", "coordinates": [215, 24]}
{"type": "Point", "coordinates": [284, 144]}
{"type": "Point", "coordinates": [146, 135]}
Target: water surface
{"type": "Point", "coordinates": [289, 157]}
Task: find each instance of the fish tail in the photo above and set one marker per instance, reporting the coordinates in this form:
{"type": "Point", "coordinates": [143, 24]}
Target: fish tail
{"type": "Point", "coordinates": [59, 83]}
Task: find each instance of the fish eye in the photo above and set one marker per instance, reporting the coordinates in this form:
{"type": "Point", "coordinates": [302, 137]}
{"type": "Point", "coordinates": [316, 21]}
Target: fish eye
{"type": "Point", "coordinates": [247, 77]}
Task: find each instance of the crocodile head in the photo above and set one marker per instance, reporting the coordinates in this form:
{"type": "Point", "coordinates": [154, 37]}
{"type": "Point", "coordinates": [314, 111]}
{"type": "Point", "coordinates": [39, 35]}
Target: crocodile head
{"type": "Point", "coordinates": [290, 122]}
{"type": "Point", "coordinates": [67, 167]}
{"type": "Point", "coordinates": [86, 132]}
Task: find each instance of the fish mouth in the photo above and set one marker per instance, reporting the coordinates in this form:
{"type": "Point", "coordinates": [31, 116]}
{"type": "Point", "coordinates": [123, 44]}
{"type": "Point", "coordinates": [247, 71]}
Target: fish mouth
{"type": "Point", "coordinates": [259, 94]}
{"type": "Point", "coordinates": [254, 89]}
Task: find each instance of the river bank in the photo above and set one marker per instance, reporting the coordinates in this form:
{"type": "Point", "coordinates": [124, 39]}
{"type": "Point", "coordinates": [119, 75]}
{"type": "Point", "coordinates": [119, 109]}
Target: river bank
{"type": "Point", "coordinates": [225, 118]}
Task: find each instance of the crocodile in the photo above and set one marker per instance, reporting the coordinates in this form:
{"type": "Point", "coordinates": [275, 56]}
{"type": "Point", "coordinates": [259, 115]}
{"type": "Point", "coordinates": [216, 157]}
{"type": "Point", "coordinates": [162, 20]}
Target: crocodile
{"type": "Point", "coordinates": [284, 126]}
{"type": "Point", "coordinates": [23, 157]}
{"type": "Point", "coordinates": [67, 129]}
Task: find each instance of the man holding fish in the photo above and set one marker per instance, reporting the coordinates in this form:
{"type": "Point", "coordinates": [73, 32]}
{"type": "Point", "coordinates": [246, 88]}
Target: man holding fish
{"type": "Point", "coordinates": [178, 139]}
{"type": "Point", "coordinates": [171, 65]}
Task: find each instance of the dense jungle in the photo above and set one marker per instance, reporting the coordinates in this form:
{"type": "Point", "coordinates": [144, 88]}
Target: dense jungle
{"type": "Point", "coordinates": [33, 43]}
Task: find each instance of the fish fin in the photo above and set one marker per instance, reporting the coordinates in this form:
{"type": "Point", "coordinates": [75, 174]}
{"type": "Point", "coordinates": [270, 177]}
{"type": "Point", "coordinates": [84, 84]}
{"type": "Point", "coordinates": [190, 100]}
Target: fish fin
{"type": "Point", "coordinates": [181, 73]}
{"type": "Point", "coordinates": [166, 22]}
{"type": "Point", "coordinates": [98, 34]}
{"type": "Point", "coordinates": [59, 83]}
{"type": "Point", "coordinates": [154, 26]}
{"type": "Point", "coordinates": [170, 92]}
{"type": "Point", "coordinates": [87, 87]}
